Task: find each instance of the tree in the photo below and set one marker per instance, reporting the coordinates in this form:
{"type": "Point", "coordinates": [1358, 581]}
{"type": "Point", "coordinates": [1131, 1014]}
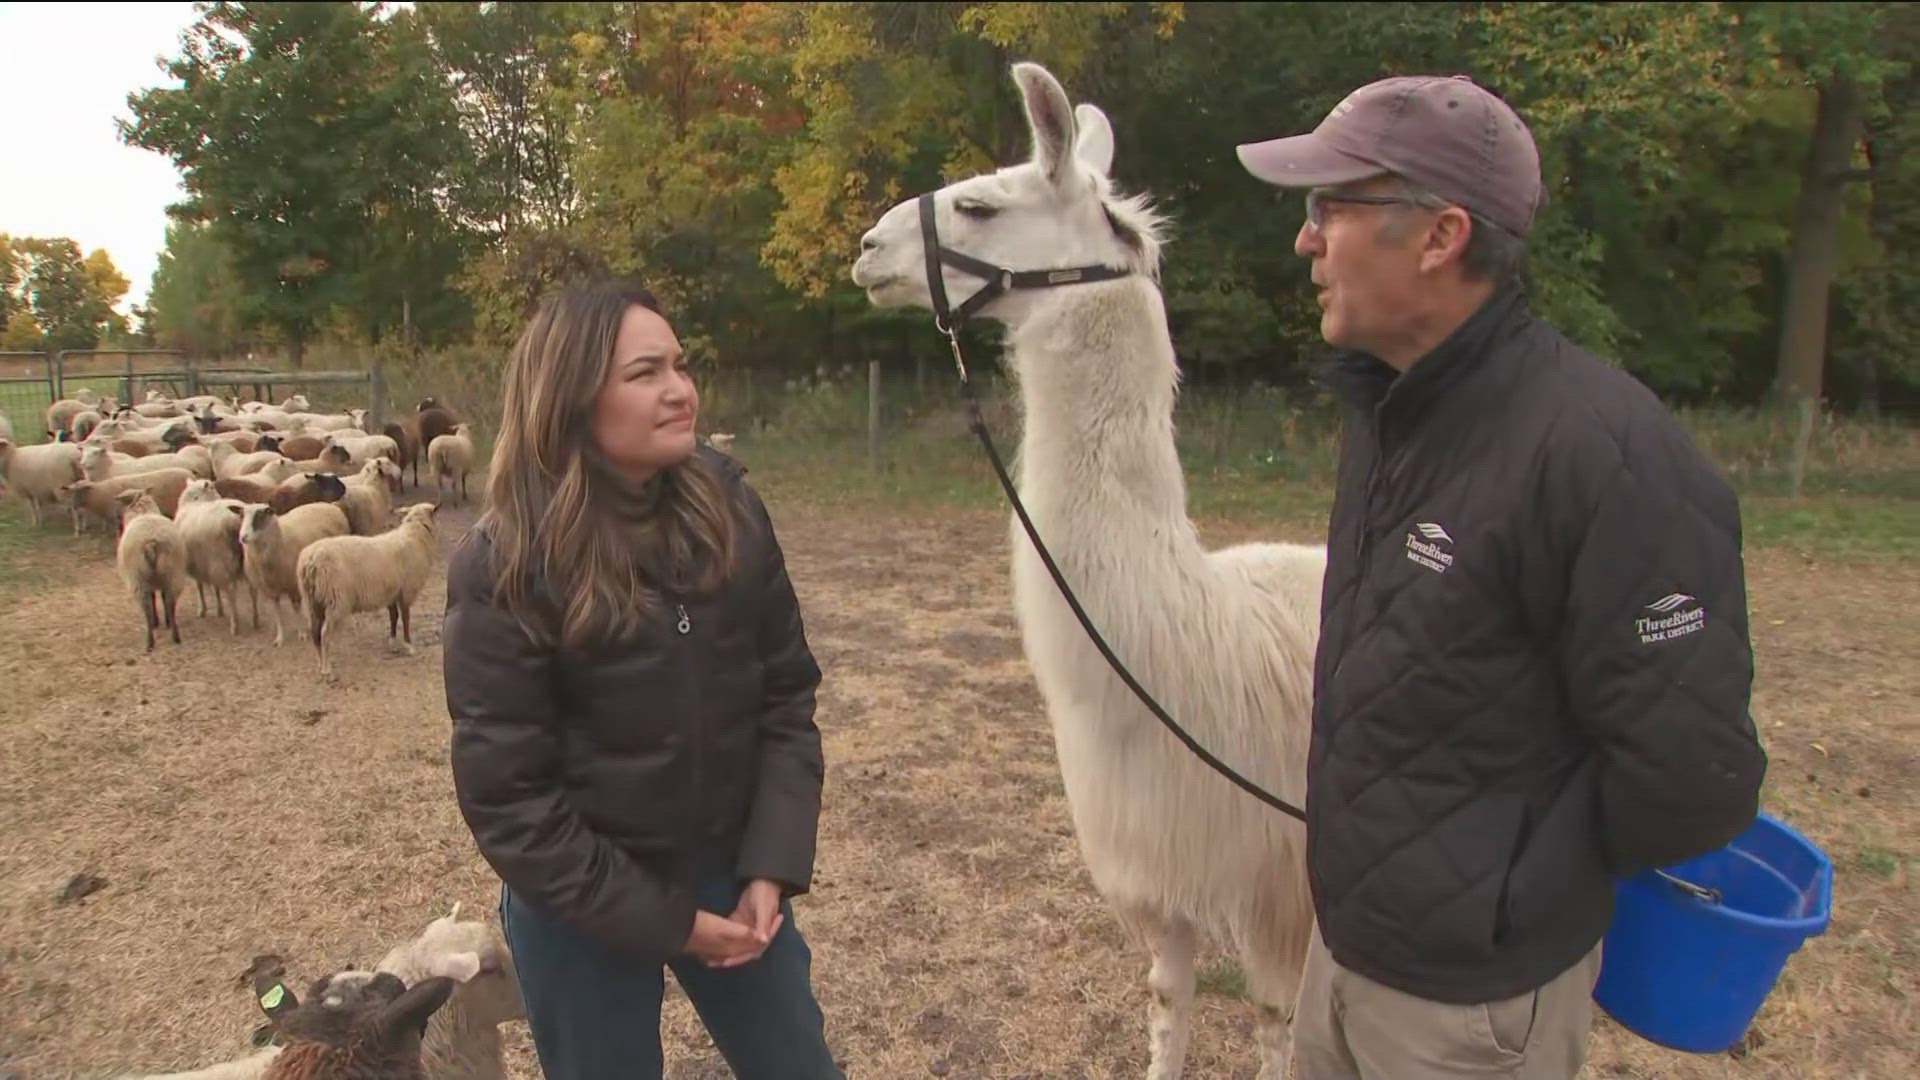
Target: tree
{"type": "Point", "coordinates": [295, 127]}
{"type": "Point", "coordinates": [197, 302]}
{"type": "Point", "coordinates": [106, 287]}
{"type": "Point", "coordinates": [10, 298]}
{"type": "Point", "coordinates": [1841, 55]}
{"type": "Point", "coordinates": [59, 293]}
{"type": "Point", "coordinates": [23, 334]}
{"type": "Point", "coordinates": [503, 62]}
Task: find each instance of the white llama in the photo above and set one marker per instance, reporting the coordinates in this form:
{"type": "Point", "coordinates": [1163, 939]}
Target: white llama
{"type": "Point", "coordinates": [1224, 640]}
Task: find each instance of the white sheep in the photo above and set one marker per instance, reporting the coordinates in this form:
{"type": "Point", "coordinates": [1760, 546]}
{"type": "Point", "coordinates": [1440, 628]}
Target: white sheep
{"type": "Point", "coordinates": [194, 458]}
{"type": "Point", "coordinates": [462, 1040]}
{"type": "Point", "coordinates": [369, 497]}
{"type": "Point", "coordinates": [272, 544]}
{"type": "Point", "coordinates": [152, 560]}
{"type": "Point", "coordinates": [82, 425]}
{"type": "Point", "coordinates": [60, 414]}
{"type": "Point", "coordinates": [97, 497]}
{"type": "Point", "coordinates": [37, 474]}
{"type": "Point", "coordinates": [99, 461]}
{"type": "Point", "coordinates": [721, 441]}
{"type": "Point", "coordinates": [344, 575]}
{"type": "Point", "coordinates": [210, 531]}
{"type": "Point", "coordinates": [362, 448]}
{"type": "Point", "coordinates": [322, 422]}
{"type": "Point", "coordinates": [451, 456]}
{"type": "Point", "coordinates": [229, 460]}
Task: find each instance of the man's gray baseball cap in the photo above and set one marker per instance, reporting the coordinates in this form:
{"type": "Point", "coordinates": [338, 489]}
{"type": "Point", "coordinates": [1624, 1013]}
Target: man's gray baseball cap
{"type": "Point", "coordinates": [1450, 136]}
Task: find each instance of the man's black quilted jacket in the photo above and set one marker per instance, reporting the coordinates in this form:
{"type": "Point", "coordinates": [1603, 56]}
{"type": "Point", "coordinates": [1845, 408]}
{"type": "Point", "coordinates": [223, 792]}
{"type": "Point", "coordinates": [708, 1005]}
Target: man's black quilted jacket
{"type": "Point", "coordinates": [1534, 667]}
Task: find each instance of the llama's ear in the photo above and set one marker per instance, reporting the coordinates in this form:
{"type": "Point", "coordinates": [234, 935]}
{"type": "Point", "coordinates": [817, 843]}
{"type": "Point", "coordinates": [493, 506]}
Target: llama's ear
{"type": "Point", "coordinates": [1093, 146]}
{"type": "Point", "coordinates": [1049, 116]}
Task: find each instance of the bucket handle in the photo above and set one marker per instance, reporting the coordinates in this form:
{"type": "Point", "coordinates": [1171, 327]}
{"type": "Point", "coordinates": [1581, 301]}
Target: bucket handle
{"type": "Point", "coordinates": [1698, 892]}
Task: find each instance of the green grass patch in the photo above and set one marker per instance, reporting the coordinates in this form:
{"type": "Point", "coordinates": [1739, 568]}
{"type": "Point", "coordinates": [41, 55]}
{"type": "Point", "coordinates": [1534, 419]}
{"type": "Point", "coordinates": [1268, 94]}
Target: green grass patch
{"type": "Point", "coordinates": [24, 403]}
{"type": "Point", "coordinates": [1877, 862]}
{"type": "Point", "coordinates": [26, 551]}
{"type": "Point", "coordinates": [1222, 978]}
{"type": "Point", "coordinates": [1256, 461]}
{"type": "Point", "coordinates": [1834, 525]}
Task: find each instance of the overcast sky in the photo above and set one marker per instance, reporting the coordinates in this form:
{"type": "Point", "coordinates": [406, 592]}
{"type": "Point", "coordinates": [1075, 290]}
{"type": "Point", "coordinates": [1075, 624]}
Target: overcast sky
{"type": "Point", "coordinates": [65, 73]}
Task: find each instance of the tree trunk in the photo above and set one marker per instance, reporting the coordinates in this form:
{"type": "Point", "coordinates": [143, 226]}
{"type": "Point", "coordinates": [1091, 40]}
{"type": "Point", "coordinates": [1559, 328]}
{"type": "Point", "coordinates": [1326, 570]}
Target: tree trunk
{"type": "Point", "coordinates": [296, 348]}
{"type": "Point", "coordinates": [1815, 255]}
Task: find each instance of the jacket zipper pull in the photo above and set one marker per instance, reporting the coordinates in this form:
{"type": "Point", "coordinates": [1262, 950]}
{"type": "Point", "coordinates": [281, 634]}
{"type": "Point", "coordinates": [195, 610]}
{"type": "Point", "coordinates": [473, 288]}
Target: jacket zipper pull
{"type": "Point", "coordinates": [685, 625]}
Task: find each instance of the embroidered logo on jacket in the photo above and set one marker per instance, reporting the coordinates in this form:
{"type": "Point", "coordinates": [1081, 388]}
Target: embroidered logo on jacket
{"type": "Point", "coordinates": [1675, 615]}
{"type": "Point", "coordinates": [1429, 545]}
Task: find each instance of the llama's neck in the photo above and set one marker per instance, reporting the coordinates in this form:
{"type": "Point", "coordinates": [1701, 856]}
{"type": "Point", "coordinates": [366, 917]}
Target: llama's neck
{"type": "Point", "coordinates": [1097, 379]}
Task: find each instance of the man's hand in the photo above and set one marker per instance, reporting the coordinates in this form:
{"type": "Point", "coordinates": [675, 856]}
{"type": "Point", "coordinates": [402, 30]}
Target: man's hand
{"type": "Point", "coordinates": [723, 942]}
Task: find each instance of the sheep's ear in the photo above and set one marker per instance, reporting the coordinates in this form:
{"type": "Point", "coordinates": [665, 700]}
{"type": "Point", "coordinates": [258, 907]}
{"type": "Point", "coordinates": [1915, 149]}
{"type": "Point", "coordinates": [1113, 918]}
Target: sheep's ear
{"type": "Point", "coordinates": [274, 998]}
{"type": "Point", "coordinates": [460, 966]}
{"type": "Point", "coordinates": [238, 511]}
{"type": "Point", "coordinates": [410, 1011]}
{"type": "Point", "coordinates": [454, 915]}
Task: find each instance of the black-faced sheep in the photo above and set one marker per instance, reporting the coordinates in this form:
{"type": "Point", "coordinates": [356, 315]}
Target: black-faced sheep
{"type": "Point", "coordinates": [283, 487]}
{"type": "Point", "coordinates": [370, 1030]}
{"type": "Point", "coordinates": [462, 1040]}
{"type": "Point", "coordinates": [343, 575]}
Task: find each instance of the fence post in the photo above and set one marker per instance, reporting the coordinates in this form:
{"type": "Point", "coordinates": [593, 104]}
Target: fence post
{"type": "Point", "coordinates": [377, 390]}
{"type": "Point", "coordinates": [1802, 445]}
{"type": "Point", "coordinates": [59, 360]}
{"type": "Point", "coordinates": [873, 414]}
{"type": "Point", "coordinates": [126, 385]}
{"type": "Point", "coordinates": [53, 385]}
{"type": "Point", "coordinates": [193, 377]}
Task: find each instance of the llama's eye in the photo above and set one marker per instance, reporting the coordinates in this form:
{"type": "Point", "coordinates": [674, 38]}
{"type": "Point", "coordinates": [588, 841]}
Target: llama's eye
{"type": "Point", "coordinates": [975, 209]}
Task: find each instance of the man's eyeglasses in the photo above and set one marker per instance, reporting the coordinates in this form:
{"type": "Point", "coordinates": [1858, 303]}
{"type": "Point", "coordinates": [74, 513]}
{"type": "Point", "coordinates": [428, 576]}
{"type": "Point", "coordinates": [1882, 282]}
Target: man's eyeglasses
{"type": "Point", "coordinates": [1318, 198]}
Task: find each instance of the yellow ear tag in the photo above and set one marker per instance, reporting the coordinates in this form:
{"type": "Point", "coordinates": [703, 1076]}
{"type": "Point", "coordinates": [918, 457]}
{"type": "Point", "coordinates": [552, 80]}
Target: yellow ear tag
{"type": "Point", "coordinates": [272, 998]}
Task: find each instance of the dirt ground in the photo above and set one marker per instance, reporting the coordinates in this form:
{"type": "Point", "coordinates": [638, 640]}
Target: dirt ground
{"type": "Point", "coordinates": [234, 806]}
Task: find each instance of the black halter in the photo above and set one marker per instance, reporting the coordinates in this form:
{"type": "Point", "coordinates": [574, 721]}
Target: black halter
{"type": "Point", "coordinates": [999, 279]}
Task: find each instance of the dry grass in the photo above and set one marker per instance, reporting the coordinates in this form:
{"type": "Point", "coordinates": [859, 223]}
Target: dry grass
{"type": "Point", "coordinates": [235, 806]}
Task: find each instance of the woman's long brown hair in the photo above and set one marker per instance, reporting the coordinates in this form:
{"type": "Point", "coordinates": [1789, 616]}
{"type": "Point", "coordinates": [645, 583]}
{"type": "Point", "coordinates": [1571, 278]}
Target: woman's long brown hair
{"type": "Point", "coordinates": [582, 554]}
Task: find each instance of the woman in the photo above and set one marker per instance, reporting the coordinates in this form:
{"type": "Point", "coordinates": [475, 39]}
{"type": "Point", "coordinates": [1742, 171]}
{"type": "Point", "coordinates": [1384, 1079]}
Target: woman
{"type": "Point", "coordinates": [632, 699]}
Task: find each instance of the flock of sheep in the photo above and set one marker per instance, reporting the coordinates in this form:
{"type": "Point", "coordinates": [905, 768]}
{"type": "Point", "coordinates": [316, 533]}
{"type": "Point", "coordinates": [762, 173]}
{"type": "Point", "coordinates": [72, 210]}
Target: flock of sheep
{"type": "Point", "coordinates": [295, 506]}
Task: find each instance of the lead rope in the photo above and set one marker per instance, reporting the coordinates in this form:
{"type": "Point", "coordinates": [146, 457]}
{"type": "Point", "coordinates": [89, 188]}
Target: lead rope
{"type": "Point", "coordinates": [978, 424]}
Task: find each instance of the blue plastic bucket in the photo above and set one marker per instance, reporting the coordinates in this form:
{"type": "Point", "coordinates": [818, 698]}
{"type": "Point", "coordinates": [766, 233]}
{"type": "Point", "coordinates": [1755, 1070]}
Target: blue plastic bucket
{"type": "Point", "coordinates": [1690, 973]}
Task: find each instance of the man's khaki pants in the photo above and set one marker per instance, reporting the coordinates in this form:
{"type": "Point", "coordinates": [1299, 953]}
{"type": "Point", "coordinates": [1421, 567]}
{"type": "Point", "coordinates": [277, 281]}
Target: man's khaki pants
{"type": "Point", "coordinates": [1348, 1027]}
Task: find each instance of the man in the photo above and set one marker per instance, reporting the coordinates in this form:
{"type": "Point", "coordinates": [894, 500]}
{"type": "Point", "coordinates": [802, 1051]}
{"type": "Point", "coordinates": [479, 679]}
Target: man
{"type": "Point", "coordinates": [1533, 671]}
